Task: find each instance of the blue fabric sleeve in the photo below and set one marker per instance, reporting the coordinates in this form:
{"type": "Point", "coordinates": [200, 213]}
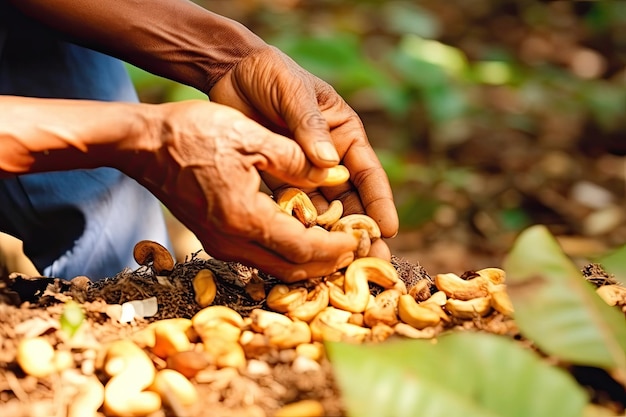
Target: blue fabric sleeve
{"type": "Point", "coordinates": [82, 222]}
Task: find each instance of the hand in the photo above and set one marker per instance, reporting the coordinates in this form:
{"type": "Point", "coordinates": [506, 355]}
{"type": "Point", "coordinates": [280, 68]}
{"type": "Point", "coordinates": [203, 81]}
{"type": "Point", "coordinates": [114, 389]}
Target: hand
{"type": "Point", "coordinates": [272, 89]}
{"type": "Point", "coordinates": [205, 169]}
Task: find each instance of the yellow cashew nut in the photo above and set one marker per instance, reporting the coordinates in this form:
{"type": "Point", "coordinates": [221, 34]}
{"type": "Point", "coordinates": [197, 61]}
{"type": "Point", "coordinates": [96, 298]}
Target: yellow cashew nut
{"type": "Point", "coordinates": [88, 399]}
{"type": "Point", "coordinates": [36, 357]}
{"type": "Point", "coordinates": [460, 289]}
{"type": "Point", "coordinates": [468, 309]}
{"type": "Point", "coordinates": [131, 372]}
{"type": "Point", "coordinates": [218, 321]}
{"type": "Point", "coordinates": [169, 338]}
{"type": "Point", "coordinates": [495, 275]}
{"type": "Point", "coordinates": [332, 215]}
{"type": "Point", "coordinates": [174, 388]}
{"type": "Point", "coordinates": [362, 227]}
{"type": "Point", "coordinates": [416, 315]}
{"type": "Point", "coordinates": [355, 294]}
{"type": "Point", "coordinates": [331, 324]}
{"type": "Point", "coordinates": [282, 298]}
{"type": "Point", "coordinates": [204, 287]}
{"type": "Point", "coordinates": [336, 175]}
{"type": "Point", "coordinates": [384, 310]}
{"type": "Point", "coordinates": [500, 300]}
{"type": "Point", "coordinates": [296, 202]}
{"type": "Point", "coordinates": [317, 300]}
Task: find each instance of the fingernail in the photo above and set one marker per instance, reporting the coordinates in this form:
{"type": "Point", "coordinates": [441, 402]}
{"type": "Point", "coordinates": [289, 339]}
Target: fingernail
{"type": "Point", "coordinates": [326, 151]}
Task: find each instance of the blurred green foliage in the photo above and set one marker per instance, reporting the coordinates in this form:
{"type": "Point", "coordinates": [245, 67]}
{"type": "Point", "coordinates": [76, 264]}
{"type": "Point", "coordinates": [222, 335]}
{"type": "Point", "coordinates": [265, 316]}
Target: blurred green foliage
{"type": "Point", "coordinates": [455, 93]}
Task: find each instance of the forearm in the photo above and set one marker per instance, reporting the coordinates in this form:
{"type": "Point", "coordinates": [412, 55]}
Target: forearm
{"type": "Point", "coordinates": [38, 135]}
{"type": "Point", "coordinates": [176, 39]}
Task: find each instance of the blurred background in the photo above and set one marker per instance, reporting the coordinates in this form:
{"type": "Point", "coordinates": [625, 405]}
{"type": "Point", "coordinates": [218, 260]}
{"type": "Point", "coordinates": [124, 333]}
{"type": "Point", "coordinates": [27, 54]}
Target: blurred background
{"type": "Point", "coordinates": [488, 115]}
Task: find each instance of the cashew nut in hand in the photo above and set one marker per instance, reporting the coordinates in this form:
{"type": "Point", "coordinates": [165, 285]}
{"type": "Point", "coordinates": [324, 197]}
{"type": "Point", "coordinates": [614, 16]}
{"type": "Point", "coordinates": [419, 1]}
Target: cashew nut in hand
{"type": "Point", "coordinates": [204, 287]}
{"type": "Point", "coordinates": [469, 309]}
{"type": "Point", "coordinates": [460, 289]}
{"type": "Point", "coordinates": [282, 298]}
{"type": "Point", "coordinates": [174, 388]}
{"type": "Point", "coordinates": [331, 324]}
{"type": "Point", "coordinates": [415, 314]}
{"type": "Point", "coordinates": [336, 175]}
{"type": "Point", "coordinates": [331, 215]}
{"type": "Point", "coordinates": [296, 202]}
{"type": "Point", "coordinates": [317, 300]}
{"type": "Point", "coordinates": [384, 310]}
{"type": "Point", "coordinates": [218, 321]}
{"type": "Point", "coordinates": [500, 300]}
{"type": "Point", "coordinates": [131, 372]}
{"type": "Point", "coordinates": [362, 227]}
{"type": "Point", "coordinates": [148, 252]}
{"type": "Point", "coordinates": [355, 294]}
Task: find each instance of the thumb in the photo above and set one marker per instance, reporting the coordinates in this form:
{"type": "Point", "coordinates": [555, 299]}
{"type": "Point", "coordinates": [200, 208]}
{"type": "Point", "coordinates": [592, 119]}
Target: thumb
{"type": "Point", "coordinates": [285, 160]}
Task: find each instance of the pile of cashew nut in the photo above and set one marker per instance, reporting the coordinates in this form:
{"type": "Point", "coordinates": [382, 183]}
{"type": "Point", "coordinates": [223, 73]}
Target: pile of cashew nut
{"type": "Point", "coordinates": [157, 364]}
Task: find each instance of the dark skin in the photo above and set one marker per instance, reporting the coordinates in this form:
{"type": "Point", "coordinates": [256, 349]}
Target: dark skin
{"type": "Point", "coordinates": [207, 169]}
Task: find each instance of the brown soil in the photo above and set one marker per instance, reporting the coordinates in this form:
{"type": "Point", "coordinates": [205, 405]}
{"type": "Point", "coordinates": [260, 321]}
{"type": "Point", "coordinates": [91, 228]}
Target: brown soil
{"type": "Point", "coordinates": [33, 306]}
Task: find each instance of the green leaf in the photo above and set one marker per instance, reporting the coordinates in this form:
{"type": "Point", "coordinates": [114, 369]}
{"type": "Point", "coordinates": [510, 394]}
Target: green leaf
{"type": "Point", "coordinates": [557, 309]}
{"type": "Point", "coordinates": [71, 318]}
{"type": "Point", "coordinates": [462, 374]}
{"type": "Point", "coordinates": [615, 263]}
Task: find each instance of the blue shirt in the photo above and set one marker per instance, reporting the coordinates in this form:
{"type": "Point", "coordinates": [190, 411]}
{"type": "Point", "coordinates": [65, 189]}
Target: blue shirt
{"type": "Point", "coordinates": [82, 222]}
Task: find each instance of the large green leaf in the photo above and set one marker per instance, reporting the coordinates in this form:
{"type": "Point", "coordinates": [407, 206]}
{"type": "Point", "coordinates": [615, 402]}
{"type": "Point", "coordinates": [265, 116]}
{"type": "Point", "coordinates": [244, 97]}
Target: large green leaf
{"type": "Point", "coordinates": [557, 309]}
{"type": "Point", "coordinates": [463, 374]}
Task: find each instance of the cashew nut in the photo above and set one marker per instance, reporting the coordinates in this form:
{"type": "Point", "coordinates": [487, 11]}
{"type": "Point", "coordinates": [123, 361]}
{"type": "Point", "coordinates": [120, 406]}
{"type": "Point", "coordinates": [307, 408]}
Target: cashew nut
{"type": "Point", "coordinates": [313, 350]}
{"type": "Point", "coordinates": [469, 309]}
{"type": "Point", "coordinates": [145, 338]}
{"type": "Point", "coordinates": [355, 294]}
{"type": "Point", "coordinates": [331, 215]}
{"type": "Point", "coordinates": [331, 324]}
{"type": "Point", "coordinates": [88, 399]}
{"type": "Point", "coordinates": [174, 388]}
{"type": "Point", "coordinates": [296, 202]}
{"type": "Point", "coordinates": [36, 357]}
{"type": "Point", "coordinates": [415, 314]}
{"type": "Point", "coordinates": [384, 310]}
{"type": "Point", "coordinates": [170, 338]}
{"type": "Point", "coordinates": [282, 298]}
{"type": "Point", "coordinates": [218, 321]}
{"type": "Point", "coordinates": [317, 300]}
{"type": "Point", "coordinates": [362, 227]}
{"type": "Point", "coordinates": [204, 287]}
{"type": "Point", "coordinates": [381, 332]}
{"type": "Point", "coordinates": [262, 319]}
{"type": "Point", "coordinates": [288, 337]}
{"type": "Point", "coordinates": [148, 252]}
{"type": "Point", "coordinates": [303, 408]}
{"type": "Point", "coordinates": [494, 275]}
{"type": "Point", "coordinates": [131, 372]}
{"type": "Point", "coordinates": [612, 294]}
{"type": "Point", "coordinates": [225, 352]}
{"type": "Point", "coordinates": [411, 332]}
{"type": "Point", "coordinates": [460, 289]}
{"type": "Point", "coordinates": [189, 362]}
{"type": "Point", "coordinates": [336, 175]}
{"type": "Point", "coordinates": [500, 300]}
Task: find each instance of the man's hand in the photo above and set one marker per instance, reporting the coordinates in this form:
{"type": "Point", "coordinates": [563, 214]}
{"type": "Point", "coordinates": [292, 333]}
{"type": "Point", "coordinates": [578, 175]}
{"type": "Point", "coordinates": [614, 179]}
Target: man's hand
{"type": "Point", "coordinates": [207, 173]}
{"type": "Point", "coordinates": [272, 89]}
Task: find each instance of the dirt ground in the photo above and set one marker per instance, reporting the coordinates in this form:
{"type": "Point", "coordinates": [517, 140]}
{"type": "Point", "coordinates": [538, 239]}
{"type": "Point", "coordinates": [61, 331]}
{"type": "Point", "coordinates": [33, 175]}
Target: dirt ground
{"type": "Point", "coordinates": [271, 378]}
